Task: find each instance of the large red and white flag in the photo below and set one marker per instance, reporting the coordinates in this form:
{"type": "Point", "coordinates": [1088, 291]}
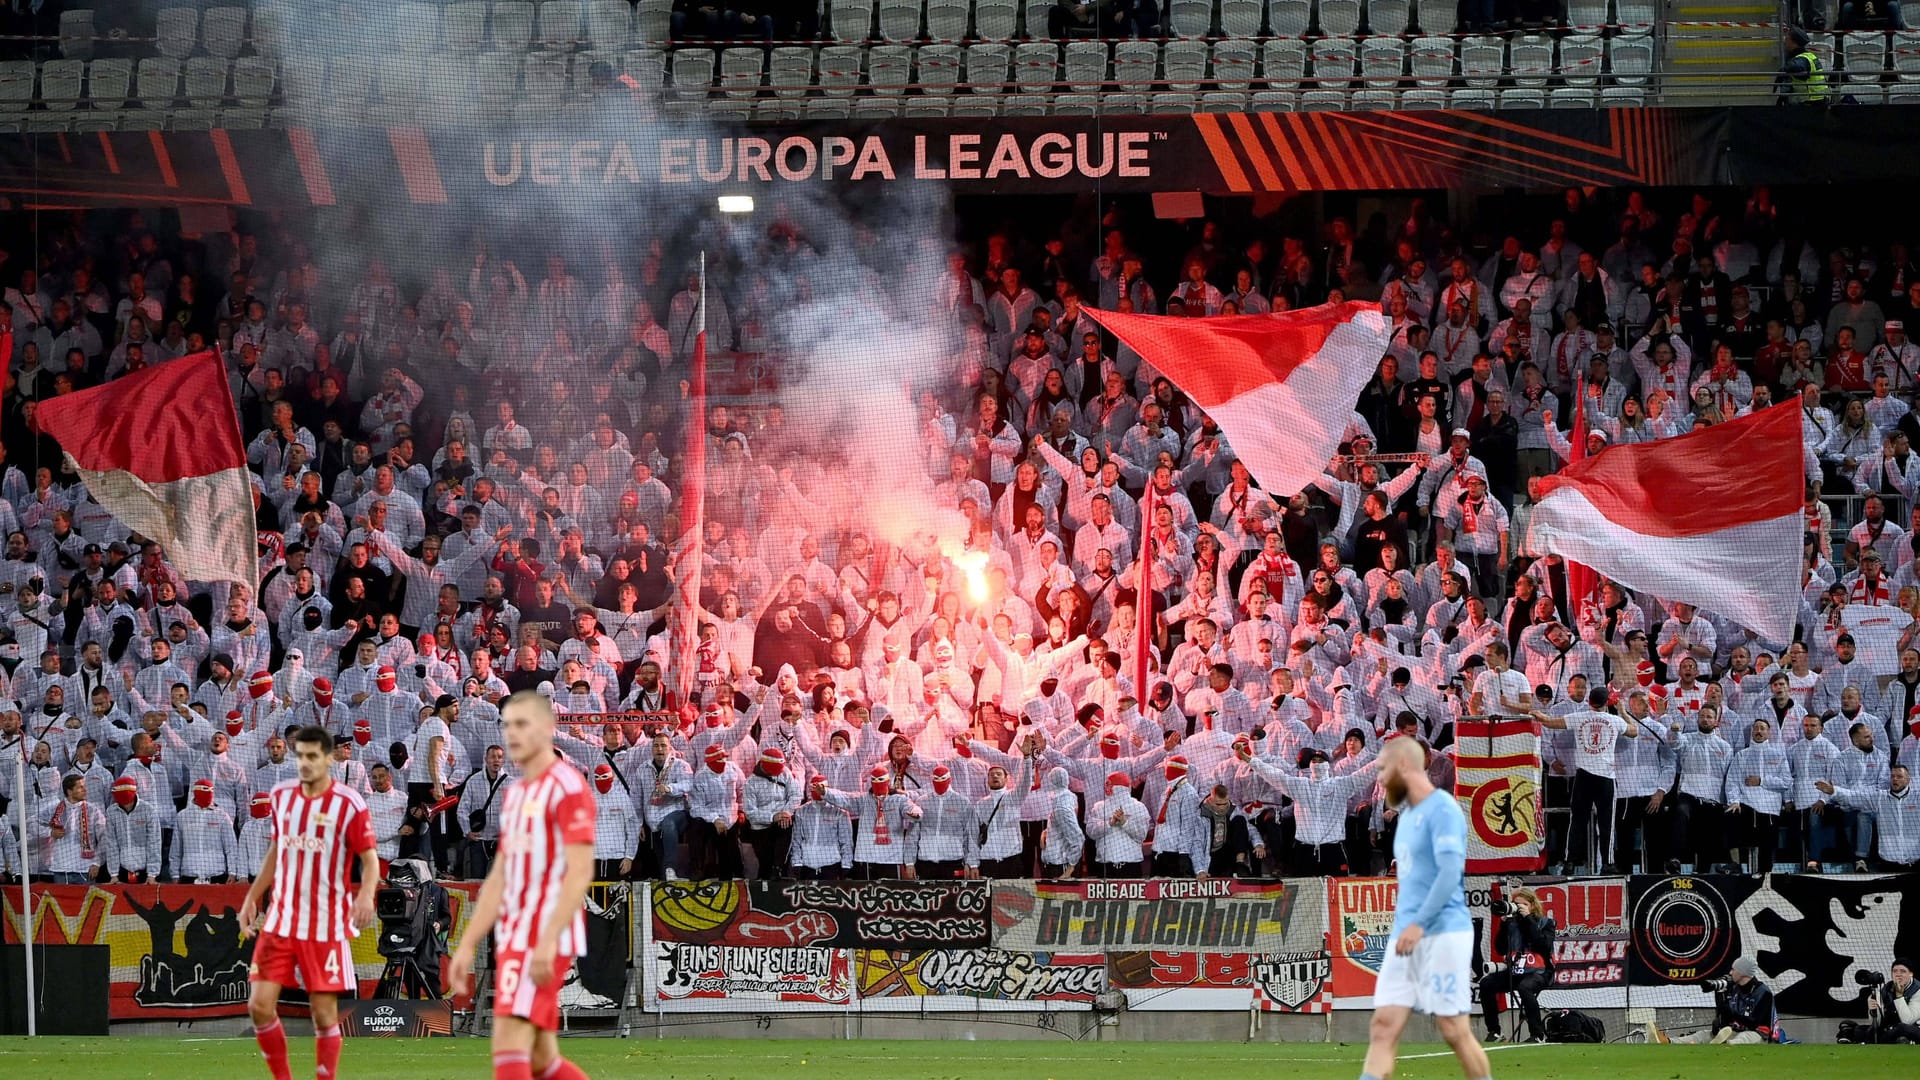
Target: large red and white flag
{"type": "Point", "coordinates": [160, 449]}
{"type": "Point", "coordinates": [1712, 518]}
{"type": "Point", "coordinates": [1497, 782]}
{"type": "Point", "coordinates": [1281, 386]}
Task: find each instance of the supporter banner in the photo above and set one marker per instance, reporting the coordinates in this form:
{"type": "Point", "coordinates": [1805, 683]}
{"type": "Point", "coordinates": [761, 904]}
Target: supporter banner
{"type": "Point", "coordinates": [1810, 934]}
{"type": "Point", "coordinates": [599, 979]}
{"type": "Point", "coordinates": [1590, 924]}
{"type": "Point", "coordinates": [800, 974]}
{"type": "Point", "coordinates": [854, 914]}
{"type": "Point", "coordinates": [1360, 918]}
{"type": "Point", "coordinates": [1219, 915]}
{"type": "Point", "coordinates": [995, 974]}
{"type": "Point", "coordinates": [1498, 785]}
{"type": "Point", "coordinates": [1265, 152]}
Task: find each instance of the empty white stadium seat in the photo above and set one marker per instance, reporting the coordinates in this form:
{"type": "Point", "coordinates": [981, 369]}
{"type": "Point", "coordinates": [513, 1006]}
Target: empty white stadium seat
{"type": "Point", "coordinates": [1581, 56]}
{"type": "Point", "coordinates": [1431, 61]}
{"type": "Point", "coordinates": [77, 33]}
{"type": "Point", "coordinates": [947, 19]}
{"type": "Point", "coordinates": [1323, 101]}
{"type": "Point", "coordinates": [900, 20]}
{"type": "Point", "coordinates": [1036, 67]}
{"type": "Point", "coordinates": [1389, 16]}
{"type": "Point", "coordinates": [1523, 98]}
{"type": "Point", "coordinates": [610, 23]}
{"type": "Point", "coordinates": [938, 69]}
{"type": "Point", "coordinates": [544, 80]}
{"type": "Point", "coordinates": [16, 84]}
{"type": "Point", "coordinates": [1373, 99]}
{"type": "Point", "coordinates": [646, 66]}
{"type": "Point", "coordinates": [1570, 97]}
{"type": "Point", "coordinates": [1630, 59]}
{"type": "Point", "coordinates": [1339, 18]}
{"type": "Point", "coordinates": [1024, 106]}
{"type": "Point", "coordinates": [1240, 18]}
{"type": "Point", "coordinates": [1173, 104]}
{"type": "Point", "coordinates": [1076, 105]}
{"type": "Point", "coordinates": [1136, 64]}
{"type": "Point", "coordinates": [463, 26]}
{"type": "Point", "coordinates": [223, 30]}
{"type": "Point", "coordinates": [206, 81]}
{"type": "Point", "coordinates": [1334, 61]}
{"type": "Point", "coordinates": [560, 23]}
{"type": "Point", "coordinates": [1482, 59]}
{"type": "Point", "coordinates": [512, 25]}
{"type": "Point", "coordinates": [1274, 101]}
{"type": "Point", "coordinates": [976, 106]}
{"type": "Point", "coordinates": [1587, 14]}
{"type": "Point", "coordinates": [1471, 98]}
{"type": "Point", "coordinates": [1424, 99]}
{"type": "Point", "coordinates": [1289, 18]}
{"type": "Point", "coordinates": [156, 82]}
{"type": "Point", "coordinates": [986, 67]}
{"type": "Point", "coordinates": [1221, 102]}
{"type": "Point", "coordinates": [109, 82]}
{"type": "Point", "coordinates": [741, 70]}
{"type": "Point", "coordinates": [839, 69]}
{"type": "Point", "coordinates": [1184, 64]}
{"type": "Point", "coordinates": [692, 72]}
{"type": "Point", "coordinates": [1123, 104]}
{"type": "Point", "coordinates": [1189, 18]}
{"type": "Point", "coordinates": [929, 106]}
{"type": "Point", "coordinates": [1382, 61]}
{"type": "Point", "coordinates": [1283, 62]}
{"type": "Point", "coordinates": [1530, 59]}
{"type": "Point", "coordinates": [1085, 65]}
{"type": "Point", "coordinates": [1636, 12]}
{"type": "Point", "coordinates": [993, 20]}
{"type": "Point", "coordinates": [176, 30]}
{"type": "Point", "coordinates": [1233, 64]}
{"type": "Point", "coordinates": [1906, 55]}
{"type": "Point", "coordinates": [790, 71]}
{"type": "Point", "coordinates": [1863, 55]}
{"type": "Point", "coordinates": [827, 109]}
{"type": "Point", "coordinates": [890, 68]}
{"type": "Point", "coordinates": [652, 22]}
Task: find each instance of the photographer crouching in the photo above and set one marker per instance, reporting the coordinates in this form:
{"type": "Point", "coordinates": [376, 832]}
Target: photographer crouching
{"type": "Point", "coordinates": [1894, 1007]}
{"type": "Point", "coordinates": [1743, 1009]}
{"type": "Point", "coordinates": [1524, 940]}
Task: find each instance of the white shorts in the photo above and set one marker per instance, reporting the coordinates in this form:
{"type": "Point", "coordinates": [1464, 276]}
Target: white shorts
{"type": "Point", "coordinates": [1436, 979]}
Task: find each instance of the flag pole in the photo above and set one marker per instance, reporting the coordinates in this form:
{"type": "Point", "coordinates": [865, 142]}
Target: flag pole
{"type": "Point", "coordinates": [1143, 603]}
{"type": "Point", "coordinates": [684, 632]}
{"type": "Point", "coordinates": [1582, 582]}
{"type": "Point", "coordinates": [26, 888]}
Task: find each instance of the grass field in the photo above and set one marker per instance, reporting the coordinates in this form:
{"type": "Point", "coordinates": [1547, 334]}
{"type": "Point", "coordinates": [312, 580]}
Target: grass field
{"type": "Point", "coordinates": [154, 1058]}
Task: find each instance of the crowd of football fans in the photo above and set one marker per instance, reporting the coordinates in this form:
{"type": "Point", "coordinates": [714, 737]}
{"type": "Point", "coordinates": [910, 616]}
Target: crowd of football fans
{"type": "Point", "coordinates": [470, 482]}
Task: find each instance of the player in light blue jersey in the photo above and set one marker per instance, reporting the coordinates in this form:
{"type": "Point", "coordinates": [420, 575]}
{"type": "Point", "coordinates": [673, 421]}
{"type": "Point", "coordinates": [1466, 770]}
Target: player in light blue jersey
{"type": "Point", "coordinates": [1429, 966]}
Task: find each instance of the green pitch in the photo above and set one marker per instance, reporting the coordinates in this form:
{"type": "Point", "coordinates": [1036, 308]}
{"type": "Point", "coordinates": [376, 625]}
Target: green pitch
{"type": "Point", "coordinates": [154, 1058]}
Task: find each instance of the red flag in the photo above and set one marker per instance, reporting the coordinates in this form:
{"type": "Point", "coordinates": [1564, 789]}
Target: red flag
{"type": "Point", "coordinates": [160, 449]}
{"type": "Point", "coordinates": [1712, 518]}
{"type": "Point", "coordinates": [684, 623]}
{"type": "Point", "coordinates": [1281, 386]}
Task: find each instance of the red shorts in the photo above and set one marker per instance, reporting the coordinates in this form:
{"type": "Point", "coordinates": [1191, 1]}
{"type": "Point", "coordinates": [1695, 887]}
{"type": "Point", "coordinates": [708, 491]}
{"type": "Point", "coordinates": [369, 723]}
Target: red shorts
{"type": "Point", "coordinates": [321, 967]}
{"type": "Point", "coordinates": [516, 995]}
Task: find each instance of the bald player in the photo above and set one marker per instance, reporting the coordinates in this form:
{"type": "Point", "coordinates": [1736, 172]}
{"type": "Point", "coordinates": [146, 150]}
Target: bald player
{"type": "Point", "coordinates": [1429, 966]}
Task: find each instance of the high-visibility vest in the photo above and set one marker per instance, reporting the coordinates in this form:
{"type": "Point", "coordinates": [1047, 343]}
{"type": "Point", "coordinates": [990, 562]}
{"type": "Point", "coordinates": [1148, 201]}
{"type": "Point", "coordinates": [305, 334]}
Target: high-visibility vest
{"type": "Point", "coordinates": [1811, 88]}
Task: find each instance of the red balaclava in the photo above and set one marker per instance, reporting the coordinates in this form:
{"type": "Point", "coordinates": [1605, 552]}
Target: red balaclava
{"type": "Point", "coordinates": [816, 788]}
{"type": "Point", "coordinates": [880, 782]}
{"type": "Point", "coordinates": [716, 715]}
{"type": "Point", "coordinates": [942, 779]}
{"type": "Point", "coordinates": [125, 794]}
{"type": "Point", "coordinates": [323, 692]}
{"type": "Point", "coordinates": [717, 758]}
{"type": "Point", "coordinates": [386, 680]}
{"type": "Point", "coordinates": [1110, 745]}
{"type": "Point", "coordinates": [1643, 673]}
{"type": "Point", "coordinates": [203, 793]}
{"type": "Point", "coordinates": [1242, 745]}
{"type": "Point", "coordinates": [603, 777]}
{"type": "Point", "coordinates": [234, 723]}
{"type": "Point", "coordinates": [772, 761]}
{"type": "Point", "coordinates": [260, 685]}
{"type": "Point", "coordinates": [1118, 781]}
{"type": "Point", "coordinates": [363, 731]}
{"type": "Point", "coordinates": [1176, 767]}
{"type": "Point", "coordinates": [262, 804]}
{"type": "Point", "coordinates": [962, 747]}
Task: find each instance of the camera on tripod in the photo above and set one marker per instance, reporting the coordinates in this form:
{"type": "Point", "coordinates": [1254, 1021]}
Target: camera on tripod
{"type": "Point", "coordinates": [404, 925]}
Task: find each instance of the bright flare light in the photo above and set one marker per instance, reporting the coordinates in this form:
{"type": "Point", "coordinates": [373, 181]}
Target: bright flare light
{"type": "Point", "coordinates": [974, 565]}
{"type": "Point", "coordinates": [736, 204]}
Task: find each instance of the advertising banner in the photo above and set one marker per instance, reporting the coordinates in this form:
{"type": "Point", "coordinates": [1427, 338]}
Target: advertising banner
{"type": "Point", "coordinates": [1590, 924]}
{"type": "Point", "coordinates": [1219, 915]}
{"type": "Point", "coordinates": [994, 974]}
{"type": "Point", "coordinates": [385, 1018]}
{"type": "Point", "coordinates": [850, 914]}
{"type": "Point", "coordinates": [801, 974]}
{"type": "Point", "coordinates": [1360, 917]}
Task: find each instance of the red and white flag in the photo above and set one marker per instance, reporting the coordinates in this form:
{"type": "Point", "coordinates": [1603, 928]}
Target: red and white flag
{"type": "Point", "coordinates": [683, 619]}
{"type": "Point", "coordinates": [1712, 518]}
{"type": "Point", "coordinates": [1281, 386]}
{"type": "Point", "coordinates": [160, 449]}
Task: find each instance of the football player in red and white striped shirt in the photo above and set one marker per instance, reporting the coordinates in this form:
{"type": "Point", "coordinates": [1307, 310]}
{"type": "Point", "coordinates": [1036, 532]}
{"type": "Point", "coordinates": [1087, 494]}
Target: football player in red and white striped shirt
{"type": "Point", "coordinates": [318, 826]}
{"type": "Point", "coordinates": [536, 891]}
